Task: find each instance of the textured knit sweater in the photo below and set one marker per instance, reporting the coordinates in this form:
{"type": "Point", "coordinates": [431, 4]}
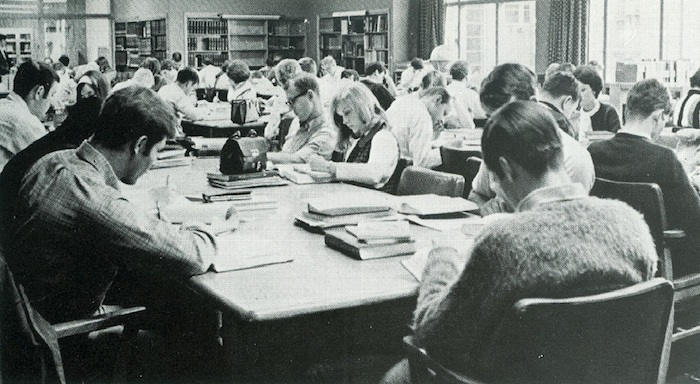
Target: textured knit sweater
{"type": "Point", "coordinates": [557, 249]}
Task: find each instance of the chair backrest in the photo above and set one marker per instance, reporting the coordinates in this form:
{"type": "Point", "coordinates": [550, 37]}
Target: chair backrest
{"type": "Point", "coordinates": [453, 157]}
{"type": "Point", "coordinates": [419, 181]}
{"type": "Point", "coordinates": [613, 337]}
{"type": "Point", "coordinates": [470, 170]}
{"type": "Point", "coordinates": [648, 199]}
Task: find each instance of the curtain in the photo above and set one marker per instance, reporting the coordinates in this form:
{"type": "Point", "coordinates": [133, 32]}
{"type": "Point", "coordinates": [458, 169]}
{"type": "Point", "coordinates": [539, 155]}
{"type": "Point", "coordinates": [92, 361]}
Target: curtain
{"type": "Point", "coordinates": [431, 31]}
{"type": "Point", "coordinates": [567, 31]}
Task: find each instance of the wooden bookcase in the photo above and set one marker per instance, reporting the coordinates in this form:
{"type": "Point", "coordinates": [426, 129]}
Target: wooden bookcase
{"type": "Point", "coordinates": [19, 44]}
{"type": "Point", "coordinates": [355, 39]}
{"type": "Point", "coordinates": [136, 40]}
{"type": "Point", "coordinates": [251, 38]}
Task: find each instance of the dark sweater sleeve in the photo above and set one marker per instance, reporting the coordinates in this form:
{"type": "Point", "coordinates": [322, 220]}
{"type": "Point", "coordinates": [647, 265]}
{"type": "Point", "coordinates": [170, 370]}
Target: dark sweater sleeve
{"type": "Point", "coordinates": [612, 120]}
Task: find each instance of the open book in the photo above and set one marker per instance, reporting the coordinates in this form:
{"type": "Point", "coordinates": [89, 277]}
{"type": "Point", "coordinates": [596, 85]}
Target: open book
{"type": "Point", "coordinates": [243, 249]}
{"type": "Point", "coordinates": [182, 210]}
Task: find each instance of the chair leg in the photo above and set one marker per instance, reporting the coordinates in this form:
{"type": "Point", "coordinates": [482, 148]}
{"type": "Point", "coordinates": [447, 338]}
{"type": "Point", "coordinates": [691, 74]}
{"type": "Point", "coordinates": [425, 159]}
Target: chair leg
{"type": "Point", "coordinates": [666, 351]}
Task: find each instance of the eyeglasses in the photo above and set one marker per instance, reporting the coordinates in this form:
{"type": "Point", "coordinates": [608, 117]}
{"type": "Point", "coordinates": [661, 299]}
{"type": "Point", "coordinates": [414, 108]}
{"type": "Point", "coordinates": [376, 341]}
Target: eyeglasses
{"type": "Point", "coordinates": [293, 100]}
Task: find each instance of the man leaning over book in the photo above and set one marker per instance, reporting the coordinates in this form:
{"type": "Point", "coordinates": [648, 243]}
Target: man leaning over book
{"type": "Point", "coordinates": [316, 135]}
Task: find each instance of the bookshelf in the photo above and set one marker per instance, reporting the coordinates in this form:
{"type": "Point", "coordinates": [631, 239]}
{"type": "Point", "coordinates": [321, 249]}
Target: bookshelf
{"type": "Point", "coordinates": [355, 38]}
{"type": "Point", "coordinates": [19, 44]}
{"type": "Point", "coordinates": [251, 38]}
{"type": "Point", "coordinates": [136, 40]}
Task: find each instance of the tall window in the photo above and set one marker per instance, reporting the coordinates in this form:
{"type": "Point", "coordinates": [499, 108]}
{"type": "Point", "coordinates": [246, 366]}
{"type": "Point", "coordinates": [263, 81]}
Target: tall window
{"type": "Point", "coordinates": [489, 33]}
{"type": "Point", "coordinates": [636, 30]}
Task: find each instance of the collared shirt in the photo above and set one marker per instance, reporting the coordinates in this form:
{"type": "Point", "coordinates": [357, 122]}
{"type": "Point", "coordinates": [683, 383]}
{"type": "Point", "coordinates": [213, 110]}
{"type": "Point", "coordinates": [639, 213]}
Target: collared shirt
{"type": "Point", "coordinates": [412, 125]}
{"type": "Point", "coordinates": [315, 136]}
{"type": "Point", "coordinates": [183, 105]}
{"type": "Point", "coordinates": [550, 195]}
{"type": "Point", "coordinates": [74, 229]}
{"type": "Point", "coordinates": [18, 127]}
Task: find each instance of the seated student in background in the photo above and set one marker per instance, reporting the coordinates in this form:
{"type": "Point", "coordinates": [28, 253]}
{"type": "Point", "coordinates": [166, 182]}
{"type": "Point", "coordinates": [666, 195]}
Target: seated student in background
{"type": "Point", "coordinates": [208, 73]}
{"type": "Point", "coordinates": [329, 67]}
{"type": "Point", "coordinates": [308, 65]}
{"type": "Point", "coordinates": [222, 81]}
{"type": "Point", "coordinates": [20, 112]}
{"type": "Point", "coordinates": [412, 119]}
{"type": "Point", "coordinates": [377, 80]}
{"type": "Point", "coordinates": [177, 95]}
{"type": "Point", "coordinates": [240, 86]}
{"type": "Point", "coordinates": [69, 240]}
{"type": "Point", "coordinates": [281, 116]}
{"type": "Point", "coordinates": [687, 112]}
{"type": "Point", "coordinates": [460, 90]}
{"type": "Point", "coordinates": [560, 93]}
{"type": "Point", "coordinates": [168, 71]}
{"type": "Point", "coordinates": [559, 243]}
{"type": "Point", "coordinates": [411, 76]}
{"type": "Point", "coordinates": [632, 156]}
{"type": "Point", "coordinates": [316, 135]}
{"type": "Point", "coordinates": [350, 74]}
{"type": "Point", "coordinates": [367, 151]}
{"type": "Point", "coordinates": [457, 115]}
{"type": "Point", "coordinates": [153, 65]}
{"type": "Point", "coordinates": [603, 116]}
{"type": "Point", "coordinates": [509, 82]}
{"type": "Point", "coordinates": [142, 77]}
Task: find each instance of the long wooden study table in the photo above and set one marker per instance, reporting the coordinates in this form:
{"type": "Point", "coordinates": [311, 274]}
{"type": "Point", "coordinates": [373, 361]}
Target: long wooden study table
{"type": "Point", "coordinates": [319, 282]}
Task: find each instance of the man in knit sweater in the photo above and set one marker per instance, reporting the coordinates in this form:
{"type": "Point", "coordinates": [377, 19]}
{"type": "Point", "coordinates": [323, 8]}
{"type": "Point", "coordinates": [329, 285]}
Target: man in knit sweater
{"type": "Point", "coordinates": [558, 243]}
{"type": "Point", "coordinates": [632, 156]}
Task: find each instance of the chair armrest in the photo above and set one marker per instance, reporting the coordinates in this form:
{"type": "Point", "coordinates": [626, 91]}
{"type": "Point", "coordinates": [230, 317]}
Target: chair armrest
{"type": "Point", "coordinates": [87, 325]}
{"type": "Point", "coordinates": [687, 281]}
{"type": "Point", "coordinates": [419, 356]}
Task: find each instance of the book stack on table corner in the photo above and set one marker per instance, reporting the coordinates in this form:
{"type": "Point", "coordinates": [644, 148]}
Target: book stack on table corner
{"type": "Point", "coordinates": [372, 239]}
{"type": "Point", "coordinates": [245, 180]}
{"type": "Point", "coordinates": [338, 211]}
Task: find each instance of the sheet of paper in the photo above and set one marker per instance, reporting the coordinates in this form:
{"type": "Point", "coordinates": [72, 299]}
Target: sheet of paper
{"type": "Point", "coordinates": [416, 263]}
{"type": "Point", "coordinates": [244, 249]}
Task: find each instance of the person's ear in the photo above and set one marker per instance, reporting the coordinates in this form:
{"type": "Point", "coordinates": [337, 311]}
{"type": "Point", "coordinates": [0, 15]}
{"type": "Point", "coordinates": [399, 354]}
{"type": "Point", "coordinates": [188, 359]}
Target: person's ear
{"type": "Point", "coordinates": [38, 92]}
{"type": "Point", "coordinates": [507, 169]}
{"type": "Point", "coordinates": [140, 145]}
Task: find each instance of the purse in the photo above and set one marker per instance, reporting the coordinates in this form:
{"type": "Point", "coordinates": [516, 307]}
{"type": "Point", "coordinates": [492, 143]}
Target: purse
{"type": "Point", "coordinates": [244, 111]}
{"type": "Point", "coordinates": [243, 155]}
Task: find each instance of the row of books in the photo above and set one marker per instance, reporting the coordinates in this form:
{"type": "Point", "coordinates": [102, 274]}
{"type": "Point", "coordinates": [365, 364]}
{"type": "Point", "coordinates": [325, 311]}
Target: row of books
{"type": "Point", "coordinates": [377, 56]}
{"type": "Point", "coordinates": [376, 42]}
{"type": "Point", "coordinates": [286, 28]}
{"type": "Point", "coordinates": [213, 27]}
{"type": "Point", "coordinates": [376, 23]}
{"type": "Point", "coordinates": [195, 59]}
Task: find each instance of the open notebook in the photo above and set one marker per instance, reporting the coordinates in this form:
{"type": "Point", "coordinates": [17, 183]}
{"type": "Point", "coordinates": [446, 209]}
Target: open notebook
{"type": "Point", "coordinates": [246, 248]}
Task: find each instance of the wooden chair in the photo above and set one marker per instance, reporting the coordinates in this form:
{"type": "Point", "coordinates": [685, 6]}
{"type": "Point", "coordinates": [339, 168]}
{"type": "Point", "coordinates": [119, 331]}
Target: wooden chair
{"type": "Point", "coordinates": [647, 198]}
{"type": "Point", "coordinates": [455, 160]}
{"type": "Point", "coordinates": [30, 349]}
{"type": "Point", "coordinates": [612, 337]}
{"type": "Point", "coordinates": [419, 181]}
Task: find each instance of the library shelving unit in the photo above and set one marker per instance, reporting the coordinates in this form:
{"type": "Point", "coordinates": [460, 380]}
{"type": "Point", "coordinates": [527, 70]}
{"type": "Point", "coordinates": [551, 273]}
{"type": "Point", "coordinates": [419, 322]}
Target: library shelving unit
{"type": "Point", "coordinates": [250, 38]}
{"type": "Point", "coordinates": [19, 44]}
{"type": "Point", "coordinates": [355, 38]}
{"type": "Point", "coordinates": [136, 40]}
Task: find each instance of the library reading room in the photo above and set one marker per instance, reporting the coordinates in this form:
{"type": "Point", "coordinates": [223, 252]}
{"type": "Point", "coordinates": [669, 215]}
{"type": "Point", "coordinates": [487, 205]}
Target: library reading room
{"type": "Point", "coordinates": [349, 191]}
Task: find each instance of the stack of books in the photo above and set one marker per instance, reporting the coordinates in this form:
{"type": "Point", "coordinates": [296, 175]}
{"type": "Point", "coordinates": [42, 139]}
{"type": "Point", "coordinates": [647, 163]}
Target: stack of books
{"type": "Point", "coordinates": [372, 240]}
{"type": "Point", "coordinates": [245, 180]}
{"type": "Point", "coordinates": [172, 157]}
{"type": "Point", "coordinates": [330, 212]}
{"type": "Point", "coordinates": [302, 174]}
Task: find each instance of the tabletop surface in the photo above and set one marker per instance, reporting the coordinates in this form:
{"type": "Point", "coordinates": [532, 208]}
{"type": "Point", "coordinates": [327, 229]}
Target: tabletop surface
{"type": "Point", "coordinates": [319, 278]}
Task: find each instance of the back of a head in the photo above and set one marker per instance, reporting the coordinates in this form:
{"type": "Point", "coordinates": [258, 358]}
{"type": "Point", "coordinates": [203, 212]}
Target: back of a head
{"type": "Point", "coordinates": [350, 74]}
{"type": "Point", "coordinates": [102, 64]}
{"type": "Point", "coordinates": [304, 82]}
{"type": "Point", "coordinates": [525, 133]}
{"type": "Point", "coordinates": [132, 112]}
{"type": "Point", "coordinates": [177, 57]}
{"type": "Point", "coordinates": [561, 84]}
{"type": "Point", "coordinates": [167, 65]}
{"type": "Point", "coordinates": [417, 63]}
{"type": "Point", "coordinates": [144, 77]}
{"type": "Point", "coordinates": [459, 70]}
{"type": "Point", "coordinates": [433, 79]}
{"type": "Point", "coordinates": [507, 82]}
{"type": "Point", "coordinates": [238, 71]}
{"type": "Point", "coordinates": [64, 60]}
{"type": "Point", "coordinates": [328, 61]}
{"type": "Point", "coordinates": [207, 61]}
{"type": "Point", "coordinates": [695, 79]}
{"type": "Point", "coordinates": [31, 74]}
{"type": "Point", "coordinates": [286, 69]}
{"type": "Point", "coordinates": [444, 96]}
{"type": "Point", "coordinates": [588, 74]}
{"type": "Point", "coordinates": [308, 65]}
{"type": "Point", "coordinates": [373, 67]}
{"type": "Point", "coordinates": [645, 98]}
{"type": "Point", "coordinates": [187, 74]}
{"type": "Point", "coordinates": [152, 64]}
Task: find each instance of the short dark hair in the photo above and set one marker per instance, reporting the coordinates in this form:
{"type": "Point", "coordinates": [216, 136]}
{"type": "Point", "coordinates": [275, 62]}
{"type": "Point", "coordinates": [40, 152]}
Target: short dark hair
{"type": "Point", "coordinates": [207, 61]}
{"type": "Point", "coordinates": [695, 79]}
{"type": "Point", "coordinates": [103, 63]}
{"type": "Point", "coordinates": [433, 79]}
{"type": "Point", "coordinates": [167, 65]}
{"type": "Point", "coordinates": [152, 64]}
{"type": "Point", "coordinates": [435, 91]}
{"type": "Point", "coordinates": [187, 74]}
{"type": "Point", "coordinates": [304, 82]}
{"type": "Point", "coordinates": [459, 70]}
{"type": "Point", "coordinates": [308, 65]}
{"type": "Point", "coordinates": [562, 84]}
{"type": "Point", "coordinates": [238, 71]}
{"type": "Point", "coordinates": [373, 67]}
{"type": "Point", "coordinates": [65, 60]}
{"type": "Point", "coordinates": [177, 57]}
{"type": "Point", "coordinates": [132, 112]}
{"type": "Point", "coordinates": [525, 133]}
{"type": "Point", "coordinates": [647, 97]}
{"type": "Point", "coordinates": [32, 74]}
{"type": "Point", "coordinates": [417, 63]}
{"type": "Point", "coordinates": [587, 74]}
{"type": "Point", "coordinates": [505, 82]}
{"type": "Point", "coordinates": [350, 74]}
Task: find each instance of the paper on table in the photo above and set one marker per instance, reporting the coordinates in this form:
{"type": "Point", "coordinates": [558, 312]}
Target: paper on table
{"type": "Point", "coordinates": [245, 249]}
{"type": "Point", "coordinates": [445, 224]}
{"type": "Point", "coordinates": [432, 204]}
{"type": "Point", "coordinates": [182, 210]}
{"type": "Point", "coordinates": [416, 263]}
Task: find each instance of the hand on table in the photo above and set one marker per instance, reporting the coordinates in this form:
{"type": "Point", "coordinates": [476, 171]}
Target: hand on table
{"type": "Point", "coordinates": [318, 163]}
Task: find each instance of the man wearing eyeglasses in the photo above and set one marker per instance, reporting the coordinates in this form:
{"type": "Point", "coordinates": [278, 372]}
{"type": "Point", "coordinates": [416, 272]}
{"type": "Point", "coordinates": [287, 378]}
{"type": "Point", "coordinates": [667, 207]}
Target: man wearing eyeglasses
{"type": "Point", "coordinates": [316, 135]}
{"type": "Point", "coordinates": [633, 156]}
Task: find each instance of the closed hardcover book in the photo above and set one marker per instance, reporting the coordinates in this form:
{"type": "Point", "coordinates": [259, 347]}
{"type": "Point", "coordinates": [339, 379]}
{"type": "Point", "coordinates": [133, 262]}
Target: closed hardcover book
{"type": "Point", "coordinates": [338, 206]}
{"type": "Point", "coordinates": [339, 239]}
{"type": "Point", "coordinates": [315, 220]}
{"type": "Point", "coordinates": [243, 176]}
